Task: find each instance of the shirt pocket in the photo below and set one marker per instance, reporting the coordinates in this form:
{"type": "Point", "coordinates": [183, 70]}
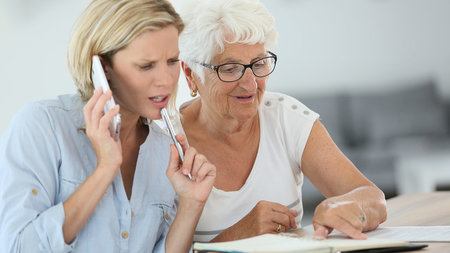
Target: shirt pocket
{"type": "Point", "coordinates": [169, 213]}
{"type": "Point", "coordinates": [71, 176]}
{"type": "Point", "coordinates": [67, 187]}
{"type": "Point", "coordinates": [157, 221]}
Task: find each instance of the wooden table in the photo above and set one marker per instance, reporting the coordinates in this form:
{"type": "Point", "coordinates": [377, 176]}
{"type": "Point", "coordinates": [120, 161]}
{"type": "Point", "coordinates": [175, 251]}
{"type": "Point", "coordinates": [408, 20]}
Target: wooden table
{"type": "Point", "coordinates": [421, 209]}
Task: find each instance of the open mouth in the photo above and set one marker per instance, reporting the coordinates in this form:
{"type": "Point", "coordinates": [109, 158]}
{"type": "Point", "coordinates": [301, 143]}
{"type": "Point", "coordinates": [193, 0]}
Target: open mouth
{"type": "Point", "coordinates": [247, 97]}
{"type": "Point", "coordinates": [158, 99]}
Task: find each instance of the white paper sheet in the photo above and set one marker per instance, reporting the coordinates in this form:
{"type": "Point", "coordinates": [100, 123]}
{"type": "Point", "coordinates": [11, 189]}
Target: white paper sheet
{"type": "Point", "coordinates": [405, 233]}
{"type": "Point", "coordinates": [413, 233]}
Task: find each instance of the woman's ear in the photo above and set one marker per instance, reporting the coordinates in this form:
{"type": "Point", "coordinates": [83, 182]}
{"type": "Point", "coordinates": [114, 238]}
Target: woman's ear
{"type": "Point", "coordinates": [188, 73]}
{"type": "Point", "coordinates": [106, 67]}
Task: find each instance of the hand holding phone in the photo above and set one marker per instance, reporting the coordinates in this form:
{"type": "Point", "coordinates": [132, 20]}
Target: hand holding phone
{"type": "Point", "coordinates": [168, 122]}
{"type": "Point", "coordinates": [99, 80]}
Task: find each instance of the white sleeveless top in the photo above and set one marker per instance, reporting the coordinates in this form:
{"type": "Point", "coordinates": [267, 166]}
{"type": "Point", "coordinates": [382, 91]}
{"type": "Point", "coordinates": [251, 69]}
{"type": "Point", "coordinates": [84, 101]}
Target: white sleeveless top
{"type": "Point", "coordinates": [285, 125]}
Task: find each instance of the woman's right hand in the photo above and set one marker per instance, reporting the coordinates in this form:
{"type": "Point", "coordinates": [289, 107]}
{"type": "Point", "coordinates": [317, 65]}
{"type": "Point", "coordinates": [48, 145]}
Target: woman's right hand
{"type": "Point", "coordinates": [108, 150]}
{"type": "Point", "coordinates": [82, 203]}
{"type": "Point", "coordinates": [265, 217]}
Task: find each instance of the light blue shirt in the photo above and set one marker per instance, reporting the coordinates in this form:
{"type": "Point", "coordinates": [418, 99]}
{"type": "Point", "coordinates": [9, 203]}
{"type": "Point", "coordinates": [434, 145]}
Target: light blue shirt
{"type": "Point", "coordinates": [44, 157]}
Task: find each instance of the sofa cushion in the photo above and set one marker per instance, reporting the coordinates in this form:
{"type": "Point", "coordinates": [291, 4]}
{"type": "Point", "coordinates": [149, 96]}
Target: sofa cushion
{"type": "Point", "coordinates": [409, 111]}
{"type": "Point", "coordinates": [426, 119]}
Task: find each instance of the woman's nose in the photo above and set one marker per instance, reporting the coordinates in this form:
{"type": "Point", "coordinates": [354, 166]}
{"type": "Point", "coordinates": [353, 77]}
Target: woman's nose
{"type": "Point", "coordinates": [248, 80]}
{"type": "Point", "coordinates": [164, 76]}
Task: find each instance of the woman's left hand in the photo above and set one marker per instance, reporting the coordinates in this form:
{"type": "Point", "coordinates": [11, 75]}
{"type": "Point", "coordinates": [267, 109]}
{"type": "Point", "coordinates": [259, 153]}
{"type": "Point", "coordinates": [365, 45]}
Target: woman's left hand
{"type": "Point", "coordinates": [344, 215]}
{"type": "Point", "coordinates": [353, 213]}
{"type": "Point", "coordinates": [192, 193]}
{"type": "Point", "coordinates": [203, 173]}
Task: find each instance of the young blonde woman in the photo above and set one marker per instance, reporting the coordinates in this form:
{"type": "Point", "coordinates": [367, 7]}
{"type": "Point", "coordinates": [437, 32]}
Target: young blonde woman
{"type": "Point", "coordinates": [66, 185]}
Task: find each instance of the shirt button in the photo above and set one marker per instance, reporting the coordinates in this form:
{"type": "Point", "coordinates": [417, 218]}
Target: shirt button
{"type": "Point", "coordinates": [125, 235]}
{"type": "Point", "coordinates": [268, 103]}
{"type": "Point", "coordinates": [294, 107]}
{"type": "Point", "coordinates": [34, 191]}
{"type": "Point", "coordinates": [280, 99]}
{"type": "Point", "coordinates": [167, 216]}
{"type": "Point", "coordinates": [306, 112]}
{"type": "Point", "coordinates": [132, 213]}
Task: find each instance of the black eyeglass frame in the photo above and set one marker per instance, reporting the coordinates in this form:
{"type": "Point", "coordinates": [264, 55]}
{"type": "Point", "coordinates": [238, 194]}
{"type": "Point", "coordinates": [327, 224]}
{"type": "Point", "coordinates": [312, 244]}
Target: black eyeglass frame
{"type": "Point", "coordinates": [216, 68]}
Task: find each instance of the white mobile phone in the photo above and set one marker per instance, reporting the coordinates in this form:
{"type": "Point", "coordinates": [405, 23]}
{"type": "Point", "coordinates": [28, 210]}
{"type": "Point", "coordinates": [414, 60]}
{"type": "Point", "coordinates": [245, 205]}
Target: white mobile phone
{"type": "Point", "coordinates": [169, 125]}
{"type": "Point", "coordinates": [99, 80]}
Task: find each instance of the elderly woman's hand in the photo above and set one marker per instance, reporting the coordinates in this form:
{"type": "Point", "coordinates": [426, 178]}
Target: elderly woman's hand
{"type": "Point", "coordinates": [345, 216]}
{"type": "Point", "coordinates": [352, 213]}
{"type": "Point", "coordinates": [265, 217]}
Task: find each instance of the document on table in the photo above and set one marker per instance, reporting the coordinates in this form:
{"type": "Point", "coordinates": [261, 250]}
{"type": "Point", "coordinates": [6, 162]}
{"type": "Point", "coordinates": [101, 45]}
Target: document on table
{"type": "Point", "coordinates": [413, 233]}
{"type": "Point", "coordinates": [405, 233]}
{"type": "Point", "coordinates": [296, 241]}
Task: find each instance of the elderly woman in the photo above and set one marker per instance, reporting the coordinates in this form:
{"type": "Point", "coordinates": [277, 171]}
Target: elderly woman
{"type": "Point", "coordinates": [262, 143]}
{"type": "Point", "coordinates": [66, 185]}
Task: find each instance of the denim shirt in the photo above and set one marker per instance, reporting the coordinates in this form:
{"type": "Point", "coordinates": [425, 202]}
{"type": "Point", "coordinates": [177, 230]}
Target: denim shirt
{"type": "Point", "coordinates": [44, 157]}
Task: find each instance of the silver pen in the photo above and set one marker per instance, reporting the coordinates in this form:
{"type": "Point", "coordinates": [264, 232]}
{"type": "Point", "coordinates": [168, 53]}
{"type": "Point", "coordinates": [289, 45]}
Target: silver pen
{"type": "Point", "coordinates": [166, 119]}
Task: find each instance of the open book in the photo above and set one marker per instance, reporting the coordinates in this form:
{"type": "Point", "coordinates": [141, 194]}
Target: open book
{"type": "Point", "coordinates": [296, 241]}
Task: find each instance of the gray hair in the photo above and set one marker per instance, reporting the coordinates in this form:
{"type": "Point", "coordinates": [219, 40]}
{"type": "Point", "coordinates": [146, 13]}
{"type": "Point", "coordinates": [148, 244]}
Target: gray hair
{"type": "Point", "coordinates": [210, 24]}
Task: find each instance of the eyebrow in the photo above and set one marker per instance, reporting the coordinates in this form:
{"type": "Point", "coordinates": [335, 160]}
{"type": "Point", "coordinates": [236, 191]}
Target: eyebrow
{"type": "Point", "coordinates": [234, 60]}
{"type": "Point", "coordinates": [145, 59]}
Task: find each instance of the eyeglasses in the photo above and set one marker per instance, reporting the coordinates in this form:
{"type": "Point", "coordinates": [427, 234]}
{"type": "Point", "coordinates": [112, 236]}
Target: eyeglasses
{"type": "Point", "coordinates": [231, 72]}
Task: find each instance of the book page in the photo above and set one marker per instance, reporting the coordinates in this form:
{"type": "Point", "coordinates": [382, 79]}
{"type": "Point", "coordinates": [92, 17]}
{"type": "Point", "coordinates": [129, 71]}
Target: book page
{"type": "Point", "coordinates": [266, 243]}
{"type": "Point", "coordinates": [297, 241]}
{"type": "Point", "coordinates": [341, 242]}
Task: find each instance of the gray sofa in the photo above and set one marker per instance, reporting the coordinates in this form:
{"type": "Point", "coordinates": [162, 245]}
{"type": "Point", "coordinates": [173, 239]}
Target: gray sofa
{"type": "Point", "coordinates": [372, 129]}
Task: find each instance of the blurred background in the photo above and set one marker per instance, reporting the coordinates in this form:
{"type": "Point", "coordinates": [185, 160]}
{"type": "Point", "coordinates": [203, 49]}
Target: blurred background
{"type": "Point", "coordinates": [377, 71]}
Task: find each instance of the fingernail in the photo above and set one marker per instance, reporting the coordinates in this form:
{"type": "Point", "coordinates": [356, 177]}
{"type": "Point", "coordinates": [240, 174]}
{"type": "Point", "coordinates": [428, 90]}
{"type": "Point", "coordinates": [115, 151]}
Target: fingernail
{"type": "Point", "coordinates": [318, 237]}
{"type": "Point", "coordinates": [185, 171]}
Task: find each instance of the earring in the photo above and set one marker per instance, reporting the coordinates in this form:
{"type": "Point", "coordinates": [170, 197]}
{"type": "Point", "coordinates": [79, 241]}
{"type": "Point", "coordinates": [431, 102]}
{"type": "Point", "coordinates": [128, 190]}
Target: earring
{"type": "Point", "coordinates": [193, 93]}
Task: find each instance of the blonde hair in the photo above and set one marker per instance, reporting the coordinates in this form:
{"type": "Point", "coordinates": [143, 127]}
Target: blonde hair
{"type": "Point", "coordinates": [107, 26]}
{"type": "Point", "coordinates": [212, 23]}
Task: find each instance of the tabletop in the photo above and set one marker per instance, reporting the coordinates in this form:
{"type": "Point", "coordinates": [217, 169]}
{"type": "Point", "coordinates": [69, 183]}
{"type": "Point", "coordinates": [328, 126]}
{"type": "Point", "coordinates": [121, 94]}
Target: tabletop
{"type": "Point", "coordinates": [421, 209]}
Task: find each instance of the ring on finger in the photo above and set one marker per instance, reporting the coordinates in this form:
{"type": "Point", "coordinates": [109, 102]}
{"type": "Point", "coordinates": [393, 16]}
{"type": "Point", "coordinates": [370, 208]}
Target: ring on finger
{"type": "Point", "coordinates": [278, 228]}
{"type": "Point", "coordinates": [362, 218]}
